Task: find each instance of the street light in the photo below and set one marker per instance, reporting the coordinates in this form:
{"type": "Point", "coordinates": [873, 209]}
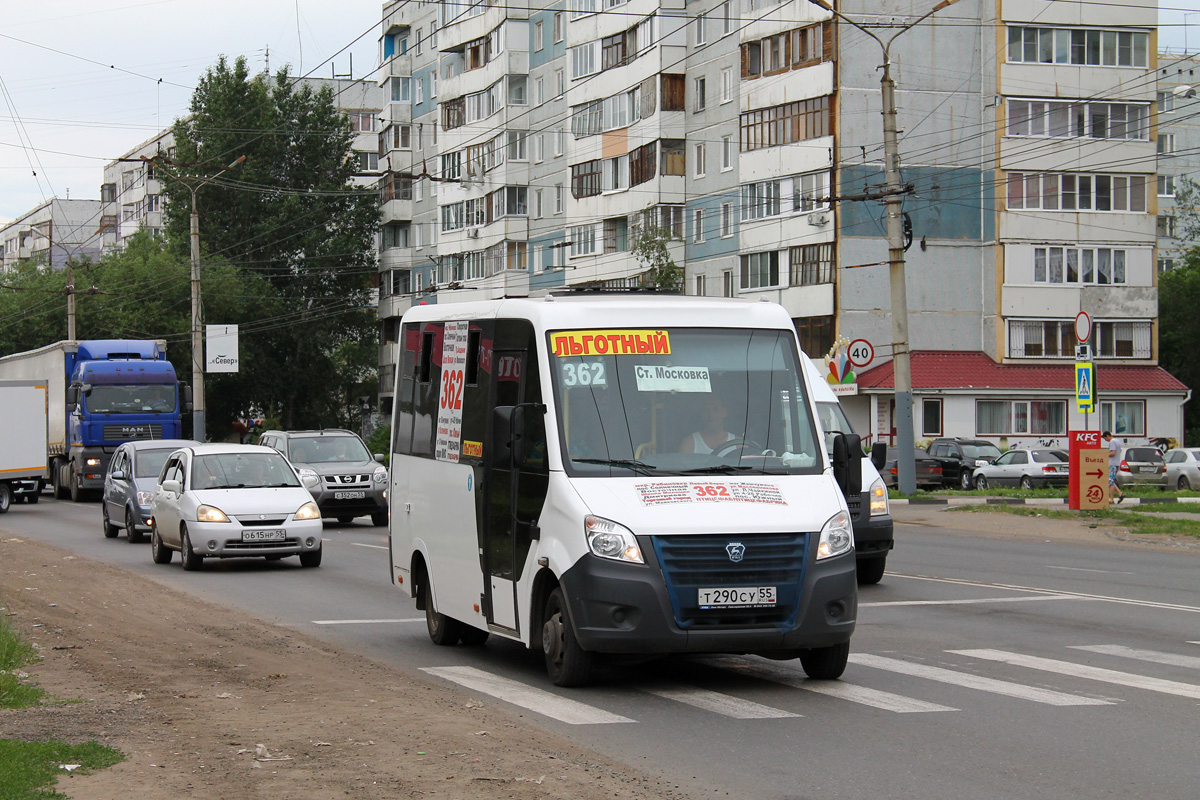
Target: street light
{"type": "Point", "coordinates": [906, 478]}
{"type": "Point", "coordinates": [198, 425]}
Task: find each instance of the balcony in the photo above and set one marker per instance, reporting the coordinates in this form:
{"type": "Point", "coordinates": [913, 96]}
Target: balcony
{"type": "Point", "coordinates": [396, 210]}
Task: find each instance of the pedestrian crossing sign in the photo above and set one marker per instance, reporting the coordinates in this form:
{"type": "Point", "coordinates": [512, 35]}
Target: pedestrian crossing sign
{"type": "Point", "coordinates": [1085, 386]}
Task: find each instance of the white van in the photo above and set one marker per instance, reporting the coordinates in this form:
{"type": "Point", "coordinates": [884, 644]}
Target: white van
{"type": "Point", "coordinates": [873, 538]}
{"type": "Point", "coordinates": [630, 474]}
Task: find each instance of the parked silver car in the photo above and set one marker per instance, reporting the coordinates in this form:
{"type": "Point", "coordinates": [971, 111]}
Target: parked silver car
{"type": "Point", "coordinates": [1142, 466]}
{"type": "Point", "coordinates": [1183, 468]}
{"type": "Point", "coordinates": [1025, 468]}
{"type": "Point", "coordinates": [129, 486]}
{"type": "Point", "coordinates": [352, 482]}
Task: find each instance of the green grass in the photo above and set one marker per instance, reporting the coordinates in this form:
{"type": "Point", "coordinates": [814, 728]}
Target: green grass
{"type": "Point", "coordinates": [15, 653]}
{"type": "Point", "coordinates": [1048, 492]}
{"type": "Point", "coordinates": [30, 769]}
{"type": "Point", "coordinates": [1126, 519]}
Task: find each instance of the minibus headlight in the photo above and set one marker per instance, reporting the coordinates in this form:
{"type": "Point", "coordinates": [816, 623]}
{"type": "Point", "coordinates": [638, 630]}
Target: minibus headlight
{"type": "Point", "coordinates": [608, 539]}
{"type": "Point", "coordinates": [837, 536]}
{"type": "Point", "coordinates": [879, 498]}
{"type": "Point", "coordinates": [210, 514]}
{"type": "Point", "coordinates": [307, 511]}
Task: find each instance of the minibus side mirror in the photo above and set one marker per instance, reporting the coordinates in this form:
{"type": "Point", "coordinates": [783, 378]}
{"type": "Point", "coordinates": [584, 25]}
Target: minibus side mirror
{"type": "Point", "coordinates": [508, 435]}
{"type": "Point", "coordinates": [847, 463]}
{"type": "Point", "coordinates": [879, 455]}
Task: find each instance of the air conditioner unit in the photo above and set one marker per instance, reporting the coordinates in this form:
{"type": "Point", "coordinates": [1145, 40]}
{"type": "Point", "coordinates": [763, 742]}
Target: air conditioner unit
{"type": "Point", "coordinates": [818, 219]}
{"type": "Point", "coordinates": [473, 233]}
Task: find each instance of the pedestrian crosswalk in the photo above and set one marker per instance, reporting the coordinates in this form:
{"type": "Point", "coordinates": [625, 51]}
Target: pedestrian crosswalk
{"type": "Point", "coordinates": [729, 679]}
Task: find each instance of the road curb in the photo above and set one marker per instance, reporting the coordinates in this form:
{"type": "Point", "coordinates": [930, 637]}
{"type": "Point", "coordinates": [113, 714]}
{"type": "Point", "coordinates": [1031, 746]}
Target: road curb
{"type": "Point", "coordinates": [1029, 501]}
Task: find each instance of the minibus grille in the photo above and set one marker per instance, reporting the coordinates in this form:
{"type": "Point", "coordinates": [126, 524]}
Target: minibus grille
{"type": "Point", "coordinates": [854, 505]}
{"type": "Point", "coordinates": [693, 562]}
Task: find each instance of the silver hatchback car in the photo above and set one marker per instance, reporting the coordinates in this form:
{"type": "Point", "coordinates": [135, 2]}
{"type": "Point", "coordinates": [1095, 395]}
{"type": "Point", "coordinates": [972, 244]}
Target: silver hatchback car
{"type": "Point", "coordinates": [129, 486]}
{"type": "Point", "coordinates": [353, 483]}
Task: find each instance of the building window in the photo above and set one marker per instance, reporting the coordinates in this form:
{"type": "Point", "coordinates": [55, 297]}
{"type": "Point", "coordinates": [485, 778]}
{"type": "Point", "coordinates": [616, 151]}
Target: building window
{"type": "Point", "coordinates": [642, 163]}
{"type": "Point", "coordinates": [698, 166]}
{"type": "Point", "coordinates": [1092, 48]}
{"type": "Point", "coordinates": [1041, 339]}
{"type": "Point", "coordinates": [700, 92]}
{"type": "Point", "coordinates": [584, 60]}
{"type": "Point", "coordinates": [537, 203]}
{"type": "Point", "coordinates": [699, 290]}
{"type": "Point", "coordinates": [727, 84]}
{"type": "Point", "coordinates": [697, 226]}
{"type": "Point", "coordinates": [760, 270]}
{"type": "Point", "coordinates": [1078, 265]}
{"type": "Point", "coordinates": [726, 18]}
{"type": "Point", "coordinates": [586, 178]}
{"type": "Point", "coordinates": [673, 157]}
{"type": "Point", "coordinates": [1166, 185]}
{"type": "Point", "coordinates": [672, 92]}
{"type": "Point", "coordinates": [726, 220]}
{"type": "Point", "coordinates": [616, 234]}
{"type": "Point", "coordinates": [1064, 118]}
{"type": "Point", "coordinates": [539, 37]}
{"type": "Point", "coordinates": [815, 334]}
{"type": "Point", "coordinates": [540, 85]}
{"type": "Point", "coordinates": [931, 416]}
{"type": "Point", "coordinates": [558, 26]}
{"type": "Point", "coordinates": [811, 264]}
{"type": "Point", "coordinates": [616, 174]}
{"type": "Point", "coordinates": [1166, 144]}
{"type": "Point", "coordinates": [726, 153]}
{"type": "Point", "coordinates": [810, 192]}
{"type": "Point", "coordinates": [793, 49]}
{"type": "Point", "coordinates": [1165, 264]}
{"type": "Point", "coordinates": [1166, 102]}
{"type": "Point", "coordinates": [364, 121]}
{"type": "Point", "coordinates": [790, 122]}
{"type": "Point", "coordinates": [1166, 226]}
{"type": "Point", "coordinates": [1123, 417]}
{"type": "Point", "coordinates": [583, 240]}
{"type": "Point", "coordinates": [760, 200]}
{"type": "Point", "coordinates": [727, 283]}
{"type": "Point", "coordinates": [1028, 417]}
{"type": "Point", "coordinates": [1055, 191]}
{"type": "Point", "coordinates": [401, 90]}
{"type": "Point", "coordinates": [1124, 339]}
{"type": "Point", "coordinates": [517, 85]}
{"type": "Point", "coordinates": [559, 198]}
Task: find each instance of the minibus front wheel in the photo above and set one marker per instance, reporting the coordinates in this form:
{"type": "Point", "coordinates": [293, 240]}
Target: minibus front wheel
{"type": "Point", "coordinates": [567, 663]}
{"type": "Point", "coordinates": [442, 629]}
{"type": "Point", "coordinates": [825, 663]}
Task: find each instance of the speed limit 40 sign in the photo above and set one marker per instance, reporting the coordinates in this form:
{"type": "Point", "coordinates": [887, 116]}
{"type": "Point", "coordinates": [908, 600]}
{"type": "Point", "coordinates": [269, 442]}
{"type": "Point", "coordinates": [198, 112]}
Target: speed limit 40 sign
{"type": "Point", "coordinates": [860, 352]}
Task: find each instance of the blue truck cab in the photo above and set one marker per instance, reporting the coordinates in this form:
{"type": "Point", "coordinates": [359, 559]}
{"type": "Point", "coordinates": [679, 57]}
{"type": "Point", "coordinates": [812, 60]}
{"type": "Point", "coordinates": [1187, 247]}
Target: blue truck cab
{"type": "Point", "coordinates": [118, 390]}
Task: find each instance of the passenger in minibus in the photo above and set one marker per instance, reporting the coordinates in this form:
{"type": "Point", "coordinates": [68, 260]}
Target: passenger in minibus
{"type": "Point", "coordinates": [711, 434]}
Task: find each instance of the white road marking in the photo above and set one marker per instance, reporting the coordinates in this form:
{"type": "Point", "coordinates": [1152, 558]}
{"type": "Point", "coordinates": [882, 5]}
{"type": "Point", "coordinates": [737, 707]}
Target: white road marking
{"type": "Point", "coordinates": [542, 702]}
{"type": "Point", "coordinates": [973, 601]}
{"type": "Point", "coordinates": [1153, 656]}
{"type": "Point", "coordinates": [1080, 595]}
{"type": "Point", "coordinates": [364, 621]}
{"type": "Point", "coordinates": [372, 546]}
{"type": "Point", "coordinates": [840, 689]}
{"type": "Point", "coordinates": [1081, 569]}
{"type": "Point", "coordinates": [969, 681]}
{"type": "Point", "coordinates": [1087, 672]}
{"type": "Point", "coordinates": [718, 703]}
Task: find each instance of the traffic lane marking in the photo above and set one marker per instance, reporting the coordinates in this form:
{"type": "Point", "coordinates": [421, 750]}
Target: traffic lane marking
{"type": "Point", "coordinates": [364, 621]}
{"type": "Point", "coordinates": [971, 601]}
{"type": "Point", "coordinates": [1054, 592]}
{"type": "Point", "coordinates": [971, 681]}
{"type": "Point", "coordinates": [1153, 656]}
{"type": "Point", "coordinates": [539, 701]}
{"type": "Point", "coordinates": [372, 546]}
{"type": "Point", "coordinates": [723, 704]}
{"type": "Point", "coordinates": [1081, 569]}
{"type": "Point", "coordinates": [1087, 672]}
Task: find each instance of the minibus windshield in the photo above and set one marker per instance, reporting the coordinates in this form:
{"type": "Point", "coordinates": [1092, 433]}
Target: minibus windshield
{"type": "Point", "coordinates": [681, 400]}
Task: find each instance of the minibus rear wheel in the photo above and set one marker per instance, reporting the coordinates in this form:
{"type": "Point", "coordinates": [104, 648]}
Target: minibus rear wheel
{"type": "Point", "coordinates": [825, 663]}
{"type": "Point", "coordinates": [567, 663]}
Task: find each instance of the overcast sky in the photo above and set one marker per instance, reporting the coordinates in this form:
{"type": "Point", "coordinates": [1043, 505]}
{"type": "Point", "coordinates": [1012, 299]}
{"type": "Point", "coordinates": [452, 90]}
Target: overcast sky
{"type": "Point", "coordinates": [82, 77]}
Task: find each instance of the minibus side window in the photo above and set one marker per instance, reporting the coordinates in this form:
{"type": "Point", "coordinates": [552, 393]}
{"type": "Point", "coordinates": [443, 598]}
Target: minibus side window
{"type": "Point", "coordinates": [402, 416]}
{"type": "Point", "coordinates": [478, 376]}
{"type": "Point", "coordinates": [426, 391]}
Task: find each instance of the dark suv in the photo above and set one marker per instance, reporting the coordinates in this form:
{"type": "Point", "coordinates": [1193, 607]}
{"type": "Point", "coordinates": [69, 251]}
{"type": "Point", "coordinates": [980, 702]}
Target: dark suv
{"type": "Point", "coordinates": [959, 458]}
{"type": "Point", "coordinates": [353, 483]}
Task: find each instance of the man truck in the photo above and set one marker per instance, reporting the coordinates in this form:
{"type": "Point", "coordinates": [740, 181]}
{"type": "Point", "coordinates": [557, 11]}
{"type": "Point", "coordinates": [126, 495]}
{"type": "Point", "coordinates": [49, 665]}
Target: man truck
{"type": "Point", "coordinates": [101, 393]}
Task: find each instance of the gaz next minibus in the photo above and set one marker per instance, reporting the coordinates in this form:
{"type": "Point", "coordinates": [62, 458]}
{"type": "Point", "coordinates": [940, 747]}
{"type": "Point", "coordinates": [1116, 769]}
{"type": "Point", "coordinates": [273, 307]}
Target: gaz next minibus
{"type": "Point", "coordinates": [627, 474]}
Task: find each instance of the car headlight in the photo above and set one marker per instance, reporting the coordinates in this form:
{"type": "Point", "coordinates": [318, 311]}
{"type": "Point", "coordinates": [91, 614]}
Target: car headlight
{"type": "Point", "coordinates": [307, 511]}
{"type": "Point", "coordinates": [837, 536]}
{"type": "Point", "coordinates": [879, 498]}
{"type": "Point", "coordinates": [210, 514]}
{"type": "Point", "coordinates": [981, 462]}
{"type": "Point", "coordinates": [381, 475]}
{"type": "Point", "coordinates": [144, 498]}
{"type": "Point", "coordinates": [93, 462]}
{"type": "Point", "coordinates": [609, 539]}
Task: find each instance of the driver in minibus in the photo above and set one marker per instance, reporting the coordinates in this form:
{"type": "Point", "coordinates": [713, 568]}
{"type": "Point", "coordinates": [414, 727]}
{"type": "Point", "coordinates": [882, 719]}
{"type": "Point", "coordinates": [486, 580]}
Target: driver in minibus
{"type": "Point", "coordinates": [711, 433]}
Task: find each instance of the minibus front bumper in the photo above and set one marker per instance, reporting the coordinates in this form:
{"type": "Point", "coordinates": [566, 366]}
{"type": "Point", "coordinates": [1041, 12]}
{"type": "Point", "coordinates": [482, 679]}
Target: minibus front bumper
{"type": "Point", "coordinates": [618, 607]}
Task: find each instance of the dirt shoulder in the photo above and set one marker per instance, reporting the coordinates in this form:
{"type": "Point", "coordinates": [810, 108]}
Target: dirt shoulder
{"type": "Point", "coordinates": [189, 690]}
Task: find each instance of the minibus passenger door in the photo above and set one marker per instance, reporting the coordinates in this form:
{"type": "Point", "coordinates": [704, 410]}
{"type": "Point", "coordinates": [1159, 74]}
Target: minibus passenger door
{"type": "Point", "coordinates": [500, 550]}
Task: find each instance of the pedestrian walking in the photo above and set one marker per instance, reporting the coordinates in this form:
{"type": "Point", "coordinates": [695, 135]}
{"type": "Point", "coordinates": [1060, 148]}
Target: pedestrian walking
{"type": "Point", "coordinates": [1114, 463]}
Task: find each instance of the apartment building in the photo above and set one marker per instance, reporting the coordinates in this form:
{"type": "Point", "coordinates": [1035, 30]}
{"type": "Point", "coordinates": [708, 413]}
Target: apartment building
{"type": "Point", "coordinates": [59, 231]}
{"type": "Point", "coordinates": [1178, 145]}
{"type": "Point", "coordinates": [533, 142]}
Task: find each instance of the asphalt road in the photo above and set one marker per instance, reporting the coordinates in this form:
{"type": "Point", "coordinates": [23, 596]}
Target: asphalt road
{"type": "Point", "coordinates": [982, 668]}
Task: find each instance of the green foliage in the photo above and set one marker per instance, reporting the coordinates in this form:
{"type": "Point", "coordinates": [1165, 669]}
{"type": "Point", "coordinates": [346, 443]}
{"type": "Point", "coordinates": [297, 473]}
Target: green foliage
{"type": "Point", "coordinates": [15, 653]}
{"type": "Point", "coordinates": [650, 249]}
{"type": "Point", "coordinates": [30, 769]}
{"type": "Point", "coordinates": [1179, 330]}
{"type": "Point", "coordinates": [287, 217]}
{"type": "Point", "coordinates": [1187, 209]}
{"type": "Point", "coordinates": [380, 441]}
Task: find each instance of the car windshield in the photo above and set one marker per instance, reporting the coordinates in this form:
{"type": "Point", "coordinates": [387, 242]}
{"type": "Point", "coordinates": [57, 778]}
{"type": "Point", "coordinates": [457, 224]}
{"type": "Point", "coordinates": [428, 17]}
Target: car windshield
{"type": "Point", "coordinates": [155, 398]}
{"type": "Point", "coordinates": [682, 400]}
{"type": "Point", "coordinates": [150, 462]}
{"type": "Point", "coordinates": [1047, 456]}
{"type": "Point", "coordinates": [242, 471]}
{"type": "Point", "coordinates": [327, 449]}
{"type": "Point", "coordinates": [980, 451]}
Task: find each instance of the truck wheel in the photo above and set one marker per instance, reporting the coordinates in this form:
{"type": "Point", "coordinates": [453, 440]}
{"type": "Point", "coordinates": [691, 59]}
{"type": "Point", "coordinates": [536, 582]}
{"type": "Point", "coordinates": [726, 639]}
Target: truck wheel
{"type": "Point", "coordinates": [35, 495]}
{"type": "Point", "coordinates": [870, 570]}
{"type": "Point", "coordinates": [159, 551]}
{"type": "Point", "coordinates": [187, 556]}
{"type": "Point", "coordinates": [825, 663]}
{"type": "Point", "coordinates": [56, 481]}
{"type": "Point", "coordinates": [567, 663]}
{"type": "Point", "coordinates": [110, 530]}
{"type": "Point", "coordinates": [76, 491]}
{"type": "Point", "coordinates": [5, 498]}
{"type": "Point", "coordinates": [131, 531]}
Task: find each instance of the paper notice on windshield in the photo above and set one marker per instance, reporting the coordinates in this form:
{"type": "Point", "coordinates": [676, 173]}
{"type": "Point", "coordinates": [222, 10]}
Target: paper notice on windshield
{"type": "Point", "coordinates": [450, 414]}
{"type": "Point", "coordinates": [657, 494]}
{"type": "Point", "coordinates": [654, 378]}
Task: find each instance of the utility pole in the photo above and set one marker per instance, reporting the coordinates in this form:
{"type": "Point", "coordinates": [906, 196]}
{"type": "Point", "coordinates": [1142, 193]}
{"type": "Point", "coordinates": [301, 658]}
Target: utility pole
{"type": "Point", "coordinates": [893, 198]}
{"type": "Point", "coordinates": [70, 300]}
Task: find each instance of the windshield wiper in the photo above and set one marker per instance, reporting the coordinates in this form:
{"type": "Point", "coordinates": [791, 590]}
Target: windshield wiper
{"type": "Point", "coordinates": [617, 462]}
{"type": "Point", "coordinates": [719, 468]}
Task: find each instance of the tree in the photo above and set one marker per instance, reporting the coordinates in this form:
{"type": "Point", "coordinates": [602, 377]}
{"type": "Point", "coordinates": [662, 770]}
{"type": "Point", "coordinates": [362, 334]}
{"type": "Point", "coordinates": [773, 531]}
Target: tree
{"type": "Point", "coordinates": [650, 249]}
{"type": "Point", "coordinates": [1179, 330]}
{"type": "Point", "coordinates": [1187, 209]}
{"type": "Point", "coordinates": [289, 216]}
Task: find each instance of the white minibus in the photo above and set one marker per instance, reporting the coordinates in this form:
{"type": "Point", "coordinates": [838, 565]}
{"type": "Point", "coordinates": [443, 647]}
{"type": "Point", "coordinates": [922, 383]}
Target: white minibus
{"type": "Point", "coordinates": [598, 473]}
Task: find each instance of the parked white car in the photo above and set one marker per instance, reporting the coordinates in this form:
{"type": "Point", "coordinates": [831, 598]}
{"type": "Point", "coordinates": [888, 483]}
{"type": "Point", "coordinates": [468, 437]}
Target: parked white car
{"type": "Point", "coordinates": [233, 501]}
{"type": "Point", "coordinates": [1025, 468]}
{"type": "Point", "coordinates": [1183, 468]}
